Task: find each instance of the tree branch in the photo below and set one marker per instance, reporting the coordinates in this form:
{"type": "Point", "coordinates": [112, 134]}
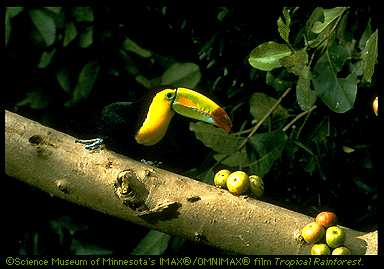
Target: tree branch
{"type": "Point", "coordinates": [149, 196]}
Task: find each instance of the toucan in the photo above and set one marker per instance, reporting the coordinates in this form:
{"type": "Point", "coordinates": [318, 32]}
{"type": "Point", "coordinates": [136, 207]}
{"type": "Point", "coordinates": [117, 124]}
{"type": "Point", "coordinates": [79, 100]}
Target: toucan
{"type": "Point", "coordinates": [162, 108]}
{"type": "Point", "coordinates": [185, 102]}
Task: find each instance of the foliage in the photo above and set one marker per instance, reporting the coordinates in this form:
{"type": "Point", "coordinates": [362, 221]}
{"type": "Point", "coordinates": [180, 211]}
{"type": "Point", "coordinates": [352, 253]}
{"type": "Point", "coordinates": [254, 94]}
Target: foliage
{"type": "Point", "coordinates": [323, 35]}
{"type": "Point", "coordinates": [81, 59]}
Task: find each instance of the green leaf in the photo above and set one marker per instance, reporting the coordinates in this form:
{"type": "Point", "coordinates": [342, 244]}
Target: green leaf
{"type": "Point", "coordinates": [357, 68]}
{"type": "Point", "coordinates": [363, 186]}
{"type": "Point", "coordinates": [86, 38]}
{"type": "Point", "coordinates": [182, 75]}
{"type": "Point", "coordinates": [265, 149]}
{"type": "Point", "coordinates": [338, 55]}
{"type": "Point", "coordinates": [267, 55]}
{"type": "Point", "coordinates": [70, 33]}
{"type": "Point", "coordinates": [87, 78]}
{"type": "Point", "coordinates": [144, 81]}
{"type": "Point", "coordinates": [283, 25]}
{"type": "Point", "coordinates": [347, 149]}
{"type": "Point", "coordinates": [283, 29]}
{"type": "Point", "coordinates": [236, 159]}
{"type": "Point", "coordinates": [326, 35]}
{"type": "Point", "coordinates": [311, 165]}
{"type": "Point", "coordinates": [130, 66]}
{"type": "Point", "coordinates": [319, 134]}
{"type": "Point", "coordinates": [84, 248]}
{"type": "Point", "coordinates": [45, 24]}
{"type": "Point", "coordinates": [63, 77]}
{"type": "Point", "coordinates": [215, 138]}
{"type": "Point", "coordinates": [369, 56]}
{"type": "Point", "coordinates": [281, 81]}
{"type": "Point", "coordinates": [154, 243]}
{"type": "Point", "coordinates": [56, 10]}
{"type": "Point", "coordinates": [222, 13]}
{"type": "Point", "coordinates": [337, 93]}
{"type": "Point", "coordinates": [83, 14]}
{"type": "Point", "coordinates": [344, 34]}
{"type": "Point", "coordinates": [206, 176]}
{"type": "Point", "coordinates": [201, 173]}
{"type": "Point", "coordinates": [366, 34]}
{"type": "Point", "coordinates": [260, 104]}
{"type": "Point", "coordinates": [46, 58]}
{"type": "Point", "coordinates": [262, 151]}
{"type": "Point", "coordinates": [317, 21]}
{"type": "Point", "coordinates": [36, 99]}
{"type": "Point", "coordinates": [10, 12]}
{"type": "Point", "coordinates": [316, 15]}
{"type": "Point", "coordinates": [13, 11]}
{"type": "Point", "coordinates": [8, 28]}
{"type": "Point", "coordinates": [287, 16]}
{"type": "Point", "coordinates": [130, 45]}
{"type": "Point", "coordinates": [295, 62]}
{"type": "Point", "coordinates": [177, 243]}
{"type": "Point", "coordinates": [306, 98]}
{"type": "Point", "coordinates": [330, 15]}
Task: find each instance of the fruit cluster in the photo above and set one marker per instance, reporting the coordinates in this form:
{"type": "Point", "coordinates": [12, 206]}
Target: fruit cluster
{"type": "Point", "coordinates": [328, 238]}
{"type": "Point", "coordinates": [239, 182]}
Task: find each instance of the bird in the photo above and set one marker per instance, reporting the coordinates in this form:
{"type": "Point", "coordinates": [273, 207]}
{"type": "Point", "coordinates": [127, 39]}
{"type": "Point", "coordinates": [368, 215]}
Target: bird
{"type": "Point", "coordinates": [185, 102]}
{"type": "Point", "coordinates": [153, 125]}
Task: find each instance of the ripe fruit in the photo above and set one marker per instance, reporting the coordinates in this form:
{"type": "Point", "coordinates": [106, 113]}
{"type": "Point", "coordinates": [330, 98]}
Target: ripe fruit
{"type": "Point", "coordinates": [375, 106]}
{"type": "Point", "coordinates": [335, 236]}
{"type": "Point", "coordinates": [341, 251]}
{"type": "Point", "coordinates": [327, 219]}
{"type": "Point", "coordinates": [312, 232]}
{"type": "Point", "coordinates": [320, 249]}
{"type": "Point", "coordinates": [220, 179]}
{"type": "Point", "coordinates": [257, 185]}
{"type": "Point", "coordinates": [238, 182]}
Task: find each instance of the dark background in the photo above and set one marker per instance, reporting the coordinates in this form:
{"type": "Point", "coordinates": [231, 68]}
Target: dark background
{"type": "Point", "coordinates": [36, 223]}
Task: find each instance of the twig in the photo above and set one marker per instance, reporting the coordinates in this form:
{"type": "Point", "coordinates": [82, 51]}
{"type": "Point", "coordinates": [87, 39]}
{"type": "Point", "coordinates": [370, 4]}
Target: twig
{"type": "Point", "coordinates": [302, 114]}
{"type": "Point", "coordinates": [257, 126]}
{"type": "Point", "coordinates": [302, 125]}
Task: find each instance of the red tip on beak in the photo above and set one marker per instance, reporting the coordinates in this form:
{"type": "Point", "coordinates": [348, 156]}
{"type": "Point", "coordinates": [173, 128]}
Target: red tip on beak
{"type": "Point", "coordinates": [222, 120]}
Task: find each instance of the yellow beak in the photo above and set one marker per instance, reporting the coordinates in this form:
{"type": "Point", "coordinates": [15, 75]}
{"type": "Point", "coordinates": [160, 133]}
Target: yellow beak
{"type": "Point", "coordinates": [191, 104]}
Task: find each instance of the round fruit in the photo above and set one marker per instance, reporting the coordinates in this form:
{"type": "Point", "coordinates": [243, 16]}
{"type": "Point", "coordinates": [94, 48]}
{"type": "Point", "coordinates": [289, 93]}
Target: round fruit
{"type": "Point", "coordinates": [327, 219]}
{"type": "Point", "coordinates": [238, 182]}
{"type": "Point", "coordinates": [257, 185]}
{"type": "Point", "coordinates": [375, 106]}
{"type": "Point", "coordinates": [335, 236]}
{"type": "Point", "coordinates": [341, 251]}
{"type": "Point", "coordinates": [220, 179]}
{"type": "Point", "coordinates": [312, 232]}
{"type": "Point", "coordinates": [320, 249]}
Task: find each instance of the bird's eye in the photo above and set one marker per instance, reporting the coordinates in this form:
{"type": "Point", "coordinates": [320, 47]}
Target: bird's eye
{"type": "Point", "coordinates": [170, 95]}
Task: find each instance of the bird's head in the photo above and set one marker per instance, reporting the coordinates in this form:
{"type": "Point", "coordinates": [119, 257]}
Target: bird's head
{"type": "Point", "coordinates": [185, 102]}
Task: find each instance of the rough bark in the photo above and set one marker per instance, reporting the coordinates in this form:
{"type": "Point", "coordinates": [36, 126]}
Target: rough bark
{"type": "Point", "coordinates": [158, 199]}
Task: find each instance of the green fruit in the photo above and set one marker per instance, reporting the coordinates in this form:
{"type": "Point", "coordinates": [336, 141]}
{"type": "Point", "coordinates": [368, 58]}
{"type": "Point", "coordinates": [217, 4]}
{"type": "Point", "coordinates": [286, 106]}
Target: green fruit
{"type": "Point", "coordinates": [220, 179]}
{"type": "Point", "coordinates": [238, 182]}
{"type": "Point", "coordinates": [335, 236]}
{"type": "Point", "coordinates": [257, 185]}
{"type": "Point", "coordinates": [320, 249]}
{"type": "Point", "coordinates": [341, 251]}
{"type": "Point", "coordinates": [326, 218]}
{"type": "Point", "coordinates": [312, 232]}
